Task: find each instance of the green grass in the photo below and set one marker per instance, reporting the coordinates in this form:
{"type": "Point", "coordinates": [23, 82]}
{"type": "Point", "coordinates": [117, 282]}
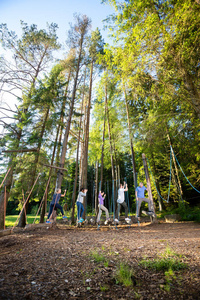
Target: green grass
{"type": "Point", "coordinates": [11, 219]}
{"type": "Point", "coordinates": [168, 260]}
{"type": "Point", "coordinates": [124, 275]}
{"type": "Point", "coordinates": [98, 257]}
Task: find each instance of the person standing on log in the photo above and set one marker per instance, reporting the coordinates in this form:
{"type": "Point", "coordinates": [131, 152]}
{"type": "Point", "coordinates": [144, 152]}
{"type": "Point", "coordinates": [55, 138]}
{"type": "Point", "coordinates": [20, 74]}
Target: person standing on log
{"type": "Point", "coordinates": [140, 198]}
{"type": "Point", "coordinates": [55, 203]}
{"type": "Point", "coordinates": [79, 203]}
{"type": "Point", "coordinates": [121, 202]}
{"type": "Point", "coordinates": [101, 198]}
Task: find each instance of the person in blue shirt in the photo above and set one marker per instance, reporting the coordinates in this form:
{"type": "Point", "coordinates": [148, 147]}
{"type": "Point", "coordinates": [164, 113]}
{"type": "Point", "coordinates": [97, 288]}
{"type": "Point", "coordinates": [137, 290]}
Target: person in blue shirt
{"type": "Point", "coordinates": [140, 198]}
{"type": "Point", "coordinates": [54, 203]}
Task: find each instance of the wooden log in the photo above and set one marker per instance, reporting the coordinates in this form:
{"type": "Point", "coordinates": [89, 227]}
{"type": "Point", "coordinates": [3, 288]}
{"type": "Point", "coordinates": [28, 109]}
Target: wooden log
{"type": "Point", "coordinates": [172, 218]}
{"type": "Point", "coordinates": [54, 167]}
{"type": "Point", "coordinates": [5, 232]}
{"type": "Point", "coordinates": [40, 225]}
{"type": "Point", "coordinates": [21, 150]}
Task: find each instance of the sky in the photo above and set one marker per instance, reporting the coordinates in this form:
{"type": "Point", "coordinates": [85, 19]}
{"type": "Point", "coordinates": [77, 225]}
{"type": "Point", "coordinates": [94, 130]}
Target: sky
{"type": "Point", "coordinates": [61, 12]}
{"type": "Point", "coordinates": [41, 12]}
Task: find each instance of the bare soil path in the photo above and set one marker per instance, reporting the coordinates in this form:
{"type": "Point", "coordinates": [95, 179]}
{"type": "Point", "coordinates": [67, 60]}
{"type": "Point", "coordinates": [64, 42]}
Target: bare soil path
{"type": "Point", "coordinates": [61, 263]}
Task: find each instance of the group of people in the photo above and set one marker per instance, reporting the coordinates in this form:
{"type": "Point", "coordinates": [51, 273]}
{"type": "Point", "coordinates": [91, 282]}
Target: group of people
{"type": "Point", "coordinates": [140, 197]}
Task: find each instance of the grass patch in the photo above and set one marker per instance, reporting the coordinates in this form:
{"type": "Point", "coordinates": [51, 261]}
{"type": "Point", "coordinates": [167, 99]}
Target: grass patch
{"type": "Point", "coordinates": [124, 275]}
{"type": "Point", "coordinates": [11, 219]}
{"type": "Point", "coordinates": [104, 288]}
{"type": "Point", "coordinates": [98, 257]}
{"type": "Point", "coordinates": [168, 260]}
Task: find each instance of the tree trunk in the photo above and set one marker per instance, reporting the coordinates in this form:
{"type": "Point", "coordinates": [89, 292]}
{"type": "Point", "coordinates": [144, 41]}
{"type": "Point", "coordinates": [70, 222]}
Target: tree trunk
{"type": "Point", "coordinates": [176, 169]}
{"type": "Point", "coordinates": [7, 187]}
{"type": "Point", "coordinates": [22, 220]}
{"type": "Point", "coordinates": [131, 143]}
{"type": "Point", "coordinates": [65, 141]}
{"type": "Point", "coordinates": [155, 171]}
{"type": "Point", "coordinates": [44, 206]}
{"type": "Point", "coordinates": [76, 171]}
{"type": "Point", "coordinates": [96, 188]}
{"type": "Point", "coordinates": [111, 147]}
{"type": "Point", "coordinates": [148, 180]}
{"type": "Point", "coordinates": [61, 121]}
{"type": "Point", "coordinates": [102, 147]}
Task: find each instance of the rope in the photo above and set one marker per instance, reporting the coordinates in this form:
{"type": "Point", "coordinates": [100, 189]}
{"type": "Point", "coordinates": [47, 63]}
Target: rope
{"type": "Point", "coordinates": [183, 172]}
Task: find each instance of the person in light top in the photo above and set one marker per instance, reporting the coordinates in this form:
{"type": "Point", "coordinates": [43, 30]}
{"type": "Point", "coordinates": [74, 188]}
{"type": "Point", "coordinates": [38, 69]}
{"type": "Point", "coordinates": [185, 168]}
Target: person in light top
{"type": "Point", "coordinates": [54, 204]}
{"type": "Point", "coordinates": [101, 198]}
{"type": "Point", "coordinates": [121, 202]}
{"type": "Point", "coordinates": [140, 198]}
{"type": "Point", "coordinates": [79, 203]}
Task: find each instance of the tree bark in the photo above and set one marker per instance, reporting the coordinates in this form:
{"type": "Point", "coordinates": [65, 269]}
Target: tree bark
{"type": "Point", "coordinates": [109, 134]}
{"type": "Point", "coordinates": [65, 141]}
{"type": "Point", "coordinates": [131, 143]}
{"type": "Point", "coordinates": [102, 147]}
{"type": "Point", "coordinates": [22, 220]}
{"type": "Point", "coordinates": [76, 171]}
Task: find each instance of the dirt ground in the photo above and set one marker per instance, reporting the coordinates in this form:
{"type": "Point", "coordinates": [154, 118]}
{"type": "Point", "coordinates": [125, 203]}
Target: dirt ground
{"type": "Point", "coordinates": [60, 263]}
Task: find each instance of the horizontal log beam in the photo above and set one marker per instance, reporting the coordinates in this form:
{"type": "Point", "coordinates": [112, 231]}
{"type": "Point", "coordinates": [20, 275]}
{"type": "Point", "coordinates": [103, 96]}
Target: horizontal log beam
{"type": "Point", "coordinates": [54, 167]}
{"type": "Point", "coordinates": [21, 150]}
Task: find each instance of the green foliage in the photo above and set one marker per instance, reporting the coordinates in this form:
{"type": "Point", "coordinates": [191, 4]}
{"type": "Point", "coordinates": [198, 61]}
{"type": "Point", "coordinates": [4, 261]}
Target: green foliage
{"type": "Point", "coordinates": [168, 260]}
{"type": "Point", "coordinates": [98, 257]}
{"type": "Point", "coordinates": [124, 275]}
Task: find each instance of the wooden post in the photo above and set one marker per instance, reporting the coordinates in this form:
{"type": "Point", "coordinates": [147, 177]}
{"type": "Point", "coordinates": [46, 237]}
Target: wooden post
{"type": "Point", "coordinates": [148, 180]}
{"type": "Point", "coordinates": [4, 209]}
{"type": "Point", "coordinates": [23, 204]}
{"type": "Point", "coordinates": [5, 177]}
{"type": "Point", "coordinates": [96, 187]}
{"type": "Point", "coordinates": [177, 180]}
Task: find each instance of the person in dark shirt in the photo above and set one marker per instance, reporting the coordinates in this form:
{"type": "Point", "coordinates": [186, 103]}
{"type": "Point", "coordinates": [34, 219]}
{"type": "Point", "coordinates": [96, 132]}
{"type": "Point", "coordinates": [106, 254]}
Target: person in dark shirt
{"type": "Point", "coordinates": [55, 203]}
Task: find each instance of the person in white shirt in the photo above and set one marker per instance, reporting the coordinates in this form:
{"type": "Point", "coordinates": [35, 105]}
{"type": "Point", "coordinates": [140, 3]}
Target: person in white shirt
{"type": "Point", "coordinates": [121, 202]}
{"type": "Point", "coordinates": [79, 203]}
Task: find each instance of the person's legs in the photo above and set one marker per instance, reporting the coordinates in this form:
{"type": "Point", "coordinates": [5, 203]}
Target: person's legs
{"type": "Point", "coordinates": [138, 205]}
{"type": "Point", "coordinates": [99, 214]}
{"type": "Point", "coordinates": [81, 209]}
{"type": "Point", "coordinates": [126, 208]}
{"type": "Point", "coordinates": [50, 210]}
{"type": "Point", "coordinates": [150, 204]}
{"type": "Point", "coordinates": [102, 207]}
{"type": "Point", "coordinates": [78, 209]}
{"type": "Point", "coordinates": [118, 210]}
{"type": "Point", "coordinates": [60, 207]}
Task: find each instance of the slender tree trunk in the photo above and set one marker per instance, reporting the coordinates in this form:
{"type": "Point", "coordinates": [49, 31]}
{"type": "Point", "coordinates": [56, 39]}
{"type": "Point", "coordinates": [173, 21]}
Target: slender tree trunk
{"type": "Point", "coordinates": [131, 143]}
{"type": "Point", "coordinates": [61, 121]}
{"type": "Point", "coordinates": [148, 180]}
{"type": "Point", "coordinates": [65, 141]}
{"type": "Point", "coordinates": [7, 187]}
{"type": "Point", "coordinates": [44, 206]}
{"type": "Point", "coordinates": [87, 130]}
{"type": "Point", "coordinates": [22, 220]}
{"type": "Point", "coordinates": [96, 187]}
{"type": "Point", "coordinates": [155, 171]}
{"type": "Point", "coordinates": [109, 134]}
{"type": "Point", "coordinates": [76, 171]}
{"type": "Point", "coordinates": [176, 170]}
{"type": "Point", "coordinates": [102, 146]}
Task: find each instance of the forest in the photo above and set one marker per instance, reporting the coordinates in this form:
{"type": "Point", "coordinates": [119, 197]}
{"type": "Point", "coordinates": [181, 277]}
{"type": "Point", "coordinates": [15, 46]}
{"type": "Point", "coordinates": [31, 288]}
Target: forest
{"type": "Point", "coordinates": [86, 118]}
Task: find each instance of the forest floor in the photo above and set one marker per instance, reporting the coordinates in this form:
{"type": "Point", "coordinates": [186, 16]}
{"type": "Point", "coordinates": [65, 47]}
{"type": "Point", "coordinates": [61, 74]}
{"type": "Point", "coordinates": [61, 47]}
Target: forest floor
{"type": "Point", "coordinates": [82, 263]}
